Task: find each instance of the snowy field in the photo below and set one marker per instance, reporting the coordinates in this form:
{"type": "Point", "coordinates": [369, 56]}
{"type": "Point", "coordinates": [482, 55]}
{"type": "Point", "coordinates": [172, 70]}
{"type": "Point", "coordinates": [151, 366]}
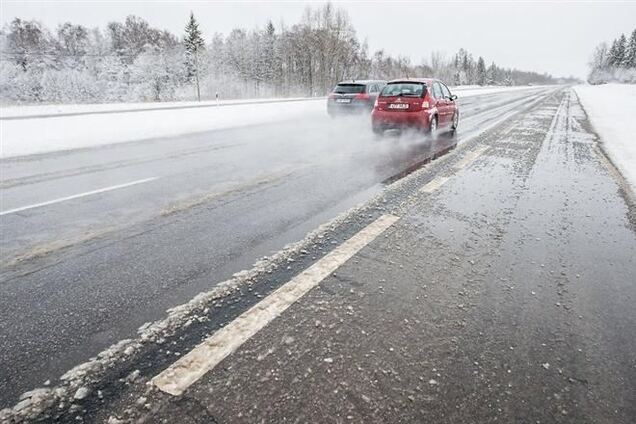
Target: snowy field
{"type": "Point", "coordinates": [94, 125]}
{"type": "Point", "coordinates": [57, 109]}
{"type": "Point", "coordinates": [612, 110]}
{"type": "Point", "coordinates": [38, 135]}
{"type": "Point", "coordinates": [474, 90]}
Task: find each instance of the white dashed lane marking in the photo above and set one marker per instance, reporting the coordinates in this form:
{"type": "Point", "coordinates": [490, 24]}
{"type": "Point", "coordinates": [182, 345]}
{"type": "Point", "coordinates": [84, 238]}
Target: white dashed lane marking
{"type": "Point", "coordinates": [77, 196]}
{"type": "Point", "coordinates": [433, 185]}
{"type": "Point", "coordinates": [436, 183]}
{"type": "Point", "coordinates": [470, 157]}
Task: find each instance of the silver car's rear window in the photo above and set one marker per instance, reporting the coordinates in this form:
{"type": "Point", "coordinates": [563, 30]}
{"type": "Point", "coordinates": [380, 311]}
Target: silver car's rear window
{"type": "Point", "coordinates": [349, 88]}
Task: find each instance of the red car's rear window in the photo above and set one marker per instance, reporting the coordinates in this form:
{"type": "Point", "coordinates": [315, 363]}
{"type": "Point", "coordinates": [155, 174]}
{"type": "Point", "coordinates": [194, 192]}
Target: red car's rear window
{"type": "Point", "coordinates": [408, 89]}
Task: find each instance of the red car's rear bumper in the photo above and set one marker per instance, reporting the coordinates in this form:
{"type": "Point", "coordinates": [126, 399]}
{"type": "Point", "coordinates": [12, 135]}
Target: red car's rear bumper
{"type": "Point", "coordinates": [382, 119]}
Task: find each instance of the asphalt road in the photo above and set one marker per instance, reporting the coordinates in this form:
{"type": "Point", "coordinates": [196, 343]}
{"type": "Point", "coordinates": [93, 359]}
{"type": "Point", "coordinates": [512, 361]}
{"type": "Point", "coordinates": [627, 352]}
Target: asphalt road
{"type": "Point", "coordinates": [173, 217]}
{"type": "Point", "coordinates": [503, 292]}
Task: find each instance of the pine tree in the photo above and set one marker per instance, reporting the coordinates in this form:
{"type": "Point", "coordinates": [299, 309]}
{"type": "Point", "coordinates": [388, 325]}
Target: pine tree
{"type": "Point", "coordinates": [621, 52]}
{"type": "Point", "coordinates": [268, 52]}
{"type": "Point", "coordinates": [194, 43]}
{"type": "Point", "coordinates": [611, 57]}
{"type": "Point", "coordinates": [481, 71]}
{"type": "Point", "coordinates": [617, 52]}
{"type": "Point", "coordinates": [492, 74]}
{"type": "Point", "coordinates": [466, 67]}
{"type": "Point", "coordinates": [630, 54]}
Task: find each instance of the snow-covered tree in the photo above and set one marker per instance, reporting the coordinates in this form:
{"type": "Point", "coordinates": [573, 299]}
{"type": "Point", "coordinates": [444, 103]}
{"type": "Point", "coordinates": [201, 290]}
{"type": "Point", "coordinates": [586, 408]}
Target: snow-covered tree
{"type": "Point", "coordinates": [133, 61]}
{"type": "Point", "coordinates": [28, 42]}
{"type": "Point", "coordinates": [618, 63]}
{"type": "Point", "coordinates": [72, 45]}
{"type": "Point", "coordinates": [268, 59]}
{"type": "Point", "coordinates": [194, 45]}
{"type": "Point", "coordinates": [617, 51]}
{"type": "Point", "coordinates": [629, 60]}
{"type": "Point", "coordinates": [481, 71]}
{"type": "Point", "coordinates": [492, 74]}
{"type": "Point", "coordinates": [599, 64]}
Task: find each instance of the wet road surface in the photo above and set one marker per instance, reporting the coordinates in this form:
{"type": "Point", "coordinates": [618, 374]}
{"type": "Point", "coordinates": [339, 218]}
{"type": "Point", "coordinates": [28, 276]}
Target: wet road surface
{"type": "Point", "coordinates": [173, 217]}
{"type": "Point", "coordinates": [500, 289]}
{"type": "Point", "coordinates": [504, 292]}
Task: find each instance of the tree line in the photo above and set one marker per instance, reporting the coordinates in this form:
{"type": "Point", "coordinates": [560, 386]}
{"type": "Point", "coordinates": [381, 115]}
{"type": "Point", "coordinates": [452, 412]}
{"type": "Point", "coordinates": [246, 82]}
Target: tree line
{"type": "Point", "coordinates": [132, 61]}
{"type": "Point", "coordinates": [615, 63]}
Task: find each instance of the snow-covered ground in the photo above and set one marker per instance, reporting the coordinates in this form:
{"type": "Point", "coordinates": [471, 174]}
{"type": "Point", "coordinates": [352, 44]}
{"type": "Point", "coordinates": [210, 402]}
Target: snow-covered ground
{"type": "Point", "coordinates": [38, 135]}
{"type": "Point", "coordinates": [474, 90]}
{"type": "Point", "coordinates": [94, 125]}
{"type": "Point", "coordinates": [612, 110]}
{"type": "Point", "coordinates": [40, 110]}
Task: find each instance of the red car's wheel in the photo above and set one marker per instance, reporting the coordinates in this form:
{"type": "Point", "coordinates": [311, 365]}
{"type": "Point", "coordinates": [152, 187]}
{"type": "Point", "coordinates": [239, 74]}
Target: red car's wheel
{"type": "Point", "coordinates": [433, 128]}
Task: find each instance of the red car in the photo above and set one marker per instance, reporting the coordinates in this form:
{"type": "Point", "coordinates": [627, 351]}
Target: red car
{"type": "Point", "coordinates": [424, 104]}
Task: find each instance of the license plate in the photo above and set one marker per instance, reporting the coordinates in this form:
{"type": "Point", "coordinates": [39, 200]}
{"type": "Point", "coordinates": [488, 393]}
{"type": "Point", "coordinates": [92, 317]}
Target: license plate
{"type": "Point", "coordinates": [343, 100]}
{"type": "Point", "coordinates": [399, 106]}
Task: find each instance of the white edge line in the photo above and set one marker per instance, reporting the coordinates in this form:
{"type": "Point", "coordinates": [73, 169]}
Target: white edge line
{"type": "Point", "coordinates": [76, 196]}
{"type": "Point", "coordinates": [204, 357]}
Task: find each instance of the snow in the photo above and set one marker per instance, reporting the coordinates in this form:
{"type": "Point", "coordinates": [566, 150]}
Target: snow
{"type": "Point", "coordinates": [39, 135]}
{"type": "Point", "coordinates": [101, 124]}
{"type": "Point", "coordinates": [55, 109]}
{"type": "Point", "coordinates": [611, 109]}
{"type": "Point", "coordinates": [472, 90]}
{"type": "Point", "coordinates": [81, 393]}
{"type": "Point", "coordinates": [468, 86]}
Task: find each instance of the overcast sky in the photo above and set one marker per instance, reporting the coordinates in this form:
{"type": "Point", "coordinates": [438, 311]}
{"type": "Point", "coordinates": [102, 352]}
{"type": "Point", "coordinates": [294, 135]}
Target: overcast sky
{"type": "Point", "coordinates": [554, 37]}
